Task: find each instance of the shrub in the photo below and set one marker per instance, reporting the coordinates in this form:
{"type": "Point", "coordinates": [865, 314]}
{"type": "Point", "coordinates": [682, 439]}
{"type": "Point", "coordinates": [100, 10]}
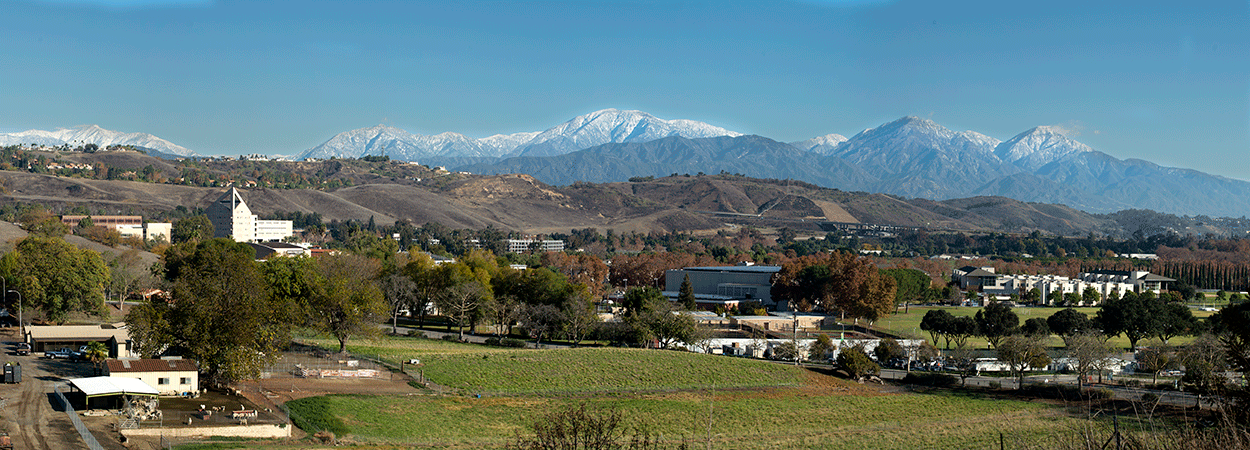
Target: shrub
{"type": "Point", "coordinates": [492, 341]}
{"type": "Point", "coordinates": [1055, 391]}
{"type": "Point", "coordinates": [510, 342]}
{"type": "Point", "coordinates": [1100, 394]}
{"type": "Point", "coordinates": [856, 363]}
{"type": "Point", "coordinates": [931, 379]}
{"type": "Point", "coordinates": [416, 333]}
{"type": "Point", "coordinates": [1149, 397]}
{"type": "Point", "coordinates": [577, 428]}
{"type": "Point", "coordinates": [451, 338]}
{"type": "Point", "coordinates": [996, 385]}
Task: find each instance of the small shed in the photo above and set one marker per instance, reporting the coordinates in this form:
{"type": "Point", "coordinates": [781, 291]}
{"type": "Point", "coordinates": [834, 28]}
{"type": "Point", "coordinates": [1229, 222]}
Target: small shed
{"type": "Point", "coordinates": [109, 392]}
{"type": "Point", "coordinates": [170, 376]}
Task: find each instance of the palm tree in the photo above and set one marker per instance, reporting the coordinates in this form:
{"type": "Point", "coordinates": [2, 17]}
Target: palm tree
{"type": "Point", "coordinates": [97, 352]}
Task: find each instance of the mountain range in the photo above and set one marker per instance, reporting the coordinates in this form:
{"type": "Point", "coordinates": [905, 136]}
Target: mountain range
{"type": "Point", "coordinates": [93, 134]}
{"type": "Point", "coordinates": [909, 157]}
{"type": "Point", "coordinates": [599, 127]}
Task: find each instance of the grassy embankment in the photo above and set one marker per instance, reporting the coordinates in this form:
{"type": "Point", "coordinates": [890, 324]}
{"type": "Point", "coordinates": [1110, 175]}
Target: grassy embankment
{"type": "Point", "coordinates": [755, 404]}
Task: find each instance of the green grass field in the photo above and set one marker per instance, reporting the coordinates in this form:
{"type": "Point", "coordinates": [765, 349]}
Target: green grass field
{"type": "Point", "coordinates": [491, 370]}
{"type": "Point", "coordinates": [755, 404]}
{"type": "Point", "coordinates": [777, 418]}
{"type": "Point", "coordinates": [908, 324]}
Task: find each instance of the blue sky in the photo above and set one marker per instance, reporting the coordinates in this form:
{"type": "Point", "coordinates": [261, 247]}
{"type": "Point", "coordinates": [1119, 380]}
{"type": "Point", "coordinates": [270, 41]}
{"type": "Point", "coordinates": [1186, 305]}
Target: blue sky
{"type": "Point", "coordinates": [1167, 82]}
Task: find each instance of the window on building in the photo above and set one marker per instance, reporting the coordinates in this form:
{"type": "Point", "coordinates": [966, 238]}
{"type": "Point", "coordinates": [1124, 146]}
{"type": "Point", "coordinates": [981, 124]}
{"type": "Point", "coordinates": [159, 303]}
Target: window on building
{"type": "Point", "coordinates": [184, 380]}
{"type": "Point", "coordinates": [162, 381]}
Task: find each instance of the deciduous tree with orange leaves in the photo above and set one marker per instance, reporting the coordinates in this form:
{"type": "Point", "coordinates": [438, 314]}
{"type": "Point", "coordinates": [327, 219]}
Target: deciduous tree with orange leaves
{"type": "Point", "coordinates": [836, 283]}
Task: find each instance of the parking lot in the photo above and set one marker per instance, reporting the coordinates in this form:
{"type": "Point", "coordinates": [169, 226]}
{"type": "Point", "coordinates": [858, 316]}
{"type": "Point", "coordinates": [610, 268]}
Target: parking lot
{"type": "Point", "coordinates": [31, 413]}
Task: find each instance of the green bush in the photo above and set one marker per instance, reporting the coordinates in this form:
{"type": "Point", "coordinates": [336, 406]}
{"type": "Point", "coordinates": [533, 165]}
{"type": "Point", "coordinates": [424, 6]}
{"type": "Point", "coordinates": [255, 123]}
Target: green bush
{"type": "Point", "coordinates": [492, 341]}
{"type": "Point", "coordinates": [510, 342]}
{"type": "Point", "coordinates": [416, 333]}
{"type": "Point", "coordinates": [1149, 397]}
{"type": "Point", "coordinates": [1100, 393]}
{"type": "Point", "coordinates": [856, 363]}
{"type": "Point", "coordinates": [996, 385]}
{"type": "Point", "coordinates": [451, 338]}
{"type": "Point", "coordinates": [931, 379]}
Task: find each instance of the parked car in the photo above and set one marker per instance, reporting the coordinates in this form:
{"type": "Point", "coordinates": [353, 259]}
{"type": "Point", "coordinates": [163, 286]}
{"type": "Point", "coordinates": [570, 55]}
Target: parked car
{"type": "Point", "coordinates": [64, 353]}
{"type": "Point", "coordinates": [23, 348]}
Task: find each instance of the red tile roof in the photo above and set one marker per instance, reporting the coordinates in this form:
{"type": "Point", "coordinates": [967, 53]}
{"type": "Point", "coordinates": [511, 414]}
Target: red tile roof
{"type": "Point", "coordinates": [151, 365]}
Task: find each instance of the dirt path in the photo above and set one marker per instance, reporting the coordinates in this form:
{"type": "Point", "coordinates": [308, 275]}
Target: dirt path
{"type": "Point", "coordinates": [29, 415]}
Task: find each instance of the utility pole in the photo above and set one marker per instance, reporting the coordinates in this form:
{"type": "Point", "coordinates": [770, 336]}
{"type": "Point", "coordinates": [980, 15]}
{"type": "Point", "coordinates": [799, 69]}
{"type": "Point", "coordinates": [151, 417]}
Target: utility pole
{"type": "Point", "coordinates": [21, 330]}
{"type": "Point", "coordinates": [797, 353]}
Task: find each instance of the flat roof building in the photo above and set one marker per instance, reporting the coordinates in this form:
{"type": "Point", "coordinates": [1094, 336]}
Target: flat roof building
{"type": "Point", "coordinates": [724, 285]}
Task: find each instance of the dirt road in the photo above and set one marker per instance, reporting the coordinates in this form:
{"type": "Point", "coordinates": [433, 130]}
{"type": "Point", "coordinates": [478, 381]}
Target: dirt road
{"type": "Point", "coordinates": [31, 413]}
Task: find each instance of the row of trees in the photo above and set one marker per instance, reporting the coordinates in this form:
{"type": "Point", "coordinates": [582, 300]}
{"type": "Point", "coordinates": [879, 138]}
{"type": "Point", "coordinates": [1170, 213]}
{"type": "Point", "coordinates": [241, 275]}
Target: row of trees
{"type": "Point", "coordinates": [557, 300]}
{"type": "Point", "coordinates": [1135, 316]}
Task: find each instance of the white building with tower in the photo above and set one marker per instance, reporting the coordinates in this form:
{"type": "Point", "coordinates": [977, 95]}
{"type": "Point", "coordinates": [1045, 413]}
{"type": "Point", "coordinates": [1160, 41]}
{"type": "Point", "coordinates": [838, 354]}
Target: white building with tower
{"type": "Point", "coordinates": [232, 218]}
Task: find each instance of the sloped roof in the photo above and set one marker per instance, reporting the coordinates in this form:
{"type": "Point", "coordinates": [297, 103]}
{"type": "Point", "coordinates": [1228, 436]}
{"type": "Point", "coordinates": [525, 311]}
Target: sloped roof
{"type": "Point", "coordinates": [98, 386]}
{"type": "Point", "coordinates": [151, 365]}
{"type": "Point", "coordinates": [980, 273]}
{"type": "Point", "coordinates": [76, 333]}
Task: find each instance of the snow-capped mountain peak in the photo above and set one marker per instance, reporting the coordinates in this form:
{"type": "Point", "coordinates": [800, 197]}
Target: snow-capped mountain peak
{"type": "Point", "coordinates": [92, 134]}
{"type": "Point", "coordinates": [821, 145]}
{"type": "Point", "coordinates": [581, 132]}
{"type": "Point", "coordinates": [614, 125]}
{"type": "Point", "coordinates": [1037, 147]}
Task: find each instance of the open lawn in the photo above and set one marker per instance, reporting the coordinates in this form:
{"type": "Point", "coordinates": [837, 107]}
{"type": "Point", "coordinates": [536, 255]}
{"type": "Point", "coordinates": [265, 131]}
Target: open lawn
{"type": "Point", "coordinates": [491, 370]}
{"type": "Point", "coordinates": [908, 324]}
{"type": "Point", "coordinates": [746, 419]}
{"type": "Point", "coordinates": [750, 404]}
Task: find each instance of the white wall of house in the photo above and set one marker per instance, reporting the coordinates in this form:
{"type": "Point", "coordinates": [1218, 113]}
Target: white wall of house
{"type": "Point", "coordinates": [167, 382]}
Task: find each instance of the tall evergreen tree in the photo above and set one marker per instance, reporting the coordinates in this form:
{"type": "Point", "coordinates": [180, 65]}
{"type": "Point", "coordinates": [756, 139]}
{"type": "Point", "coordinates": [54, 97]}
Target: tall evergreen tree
{"type": "Point", "coordinates": [686, 295]}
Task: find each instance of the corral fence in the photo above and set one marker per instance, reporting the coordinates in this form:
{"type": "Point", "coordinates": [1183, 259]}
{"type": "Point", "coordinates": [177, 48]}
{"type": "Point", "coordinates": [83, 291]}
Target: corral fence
{"type": "Point", "coordinates": [320, 364]}
{"type": "Point", "coordinates": [87, 437]}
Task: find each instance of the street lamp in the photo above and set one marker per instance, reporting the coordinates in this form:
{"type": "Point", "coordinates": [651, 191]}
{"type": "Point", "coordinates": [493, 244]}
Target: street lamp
{"type": "Point", "coordinates": [21, 331]}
